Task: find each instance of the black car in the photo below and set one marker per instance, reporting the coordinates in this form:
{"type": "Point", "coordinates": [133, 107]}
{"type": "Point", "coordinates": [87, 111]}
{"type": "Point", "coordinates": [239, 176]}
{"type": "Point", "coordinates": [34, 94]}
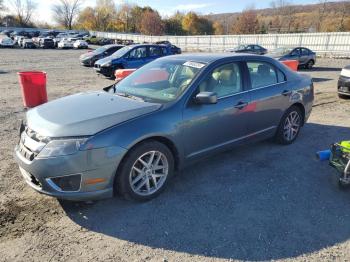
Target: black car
{"type": "Point", "coordinates": [46, 43]}
{"type": "Point", "coordinates": [344, 83]}
{"type": "Point", "coordinates": [174, 49]}
{"type": "Point", "coordinates": [250, 49]}
{"type": "Point", "coordinates": [90, 58]}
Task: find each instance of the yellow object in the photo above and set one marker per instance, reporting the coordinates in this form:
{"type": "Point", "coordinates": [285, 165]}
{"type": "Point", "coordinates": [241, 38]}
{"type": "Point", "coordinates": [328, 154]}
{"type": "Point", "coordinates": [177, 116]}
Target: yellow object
{"type": "Point", "coordinates": [345, 146]}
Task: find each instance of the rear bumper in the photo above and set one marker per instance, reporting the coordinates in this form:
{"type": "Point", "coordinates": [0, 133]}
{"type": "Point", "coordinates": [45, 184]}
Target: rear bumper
{"type": "Point", "coordinates": [90, 165]}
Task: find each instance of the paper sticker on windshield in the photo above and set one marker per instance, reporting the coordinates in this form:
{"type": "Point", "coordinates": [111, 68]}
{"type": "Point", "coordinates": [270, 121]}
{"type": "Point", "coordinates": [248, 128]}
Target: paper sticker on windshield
{"type": "Point", "coordinates": [194, 64]}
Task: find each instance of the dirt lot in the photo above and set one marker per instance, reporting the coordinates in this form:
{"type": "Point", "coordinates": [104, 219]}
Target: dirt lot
{"type": "Point", "coordinates": [257, 202]}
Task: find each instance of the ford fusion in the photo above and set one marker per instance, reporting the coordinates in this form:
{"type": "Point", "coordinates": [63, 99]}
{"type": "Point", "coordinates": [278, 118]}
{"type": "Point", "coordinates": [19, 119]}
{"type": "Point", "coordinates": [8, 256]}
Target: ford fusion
{"type": "Point", "coordinates": [133, 137]}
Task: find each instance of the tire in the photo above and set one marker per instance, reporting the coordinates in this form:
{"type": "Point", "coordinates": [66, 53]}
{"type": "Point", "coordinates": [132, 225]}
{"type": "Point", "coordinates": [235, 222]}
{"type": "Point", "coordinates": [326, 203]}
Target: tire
{"type": "Point", "coordinates": [310, 64]}
{"type": "Point", "coordinates": [343, 96]}
{"type": "Point", "coordinates": [133, 174]}
{"type": "Point", "coordinates": [283, 136]}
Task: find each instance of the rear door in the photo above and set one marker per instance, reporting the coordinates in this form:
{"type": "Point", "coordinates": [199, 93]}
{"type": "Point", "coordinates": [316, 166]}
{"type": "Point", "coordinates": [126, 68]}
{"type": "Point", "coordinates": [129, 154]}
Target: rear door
{"type": "Point", "coordinates": [269, 95]}
{"type": "Point", "coordinates": [154, 52]}
{"type": "Point", "coordinates": [304, 56]}
{"type": "Point", "coordinates": [214, 126]}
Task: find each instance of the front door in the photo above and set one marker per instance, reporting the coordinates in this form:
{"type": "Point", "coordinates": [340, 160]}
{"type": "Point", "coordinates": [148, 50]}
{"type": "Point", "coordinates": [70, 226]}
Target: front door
{"type": "Point", "coordinates": [136, 58]}
{"type": "Point", "coordinates": [214, 126]}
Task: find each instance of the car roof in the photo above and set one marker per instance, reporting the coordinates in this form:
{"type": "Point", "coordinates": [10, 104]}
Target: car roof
{"type": "Point", "coordinates": [212, 57]}
{"type": "Point", "coordinates": [112, 45]}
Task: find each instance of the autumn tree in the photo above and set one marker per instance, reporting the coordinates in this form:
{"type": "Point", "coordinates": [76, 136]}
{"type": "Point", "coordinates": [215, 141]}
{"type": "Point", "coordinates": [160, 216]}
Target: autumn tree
{"type": "Point", "coordinates": [23, 11]}
{"type": "Point", "coordinates": [195, 25]}
{"type": "Point", "coordinates": [65, 12]}
{"type": "Point", "coordinates": [344, 13]}
{"type": "Point", "coordinates": [151, 23]}
{"type": "Point", "coordinates": [173, 24]}
{"type": "Point", "coordinates": [247, 23]}
{"type": "Point", "coordinates": [218, 28]}
{"type": "Point", "coordinates": [321, 13]}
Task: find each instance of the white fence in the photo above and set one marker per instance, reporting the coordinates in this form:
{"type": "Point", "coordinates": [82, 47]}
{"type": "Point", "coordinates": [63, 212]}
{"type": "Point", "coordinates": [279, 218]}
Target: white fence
{"type": "Point", "coordinates": [337, 44]}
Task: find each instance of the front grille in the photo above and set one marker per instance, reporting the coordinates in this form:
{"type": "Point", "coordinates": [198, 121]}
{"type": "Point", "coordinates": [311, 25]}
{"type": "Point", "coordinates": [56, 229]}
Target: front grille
{"type": "Point", "coordinates": [26, 152]}
{"type": "Point", "coordinates": [31, 143]}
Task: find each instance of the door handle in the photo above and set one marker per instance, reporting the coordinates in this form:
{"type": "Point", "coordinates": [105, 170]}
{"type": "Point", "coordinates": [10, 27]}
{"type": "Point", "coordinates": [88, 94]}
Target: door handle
{"type": "Point", "coordinates": [287, 92]}
{"type": "Point", "coordinates": [240, 105]}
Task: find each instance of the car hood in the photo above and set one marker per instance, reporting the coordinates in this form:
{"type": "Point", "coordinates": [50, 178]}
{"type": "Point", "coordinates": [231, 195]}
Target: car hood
{"type": "Point", "coordinates": [88, 55]}
{"type": "Point", "coordinates": [104, 60]}
{"type": "Point", "coordinates": [85, 114]}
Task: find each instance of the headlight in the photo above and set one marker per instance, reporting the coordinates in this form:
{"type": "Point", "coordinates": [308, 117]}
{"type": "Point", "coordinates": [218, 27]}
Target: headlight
{"type": "Point", "coordinates": [107, 64]}
{"type": "Point", "coordinates": [61, 147]}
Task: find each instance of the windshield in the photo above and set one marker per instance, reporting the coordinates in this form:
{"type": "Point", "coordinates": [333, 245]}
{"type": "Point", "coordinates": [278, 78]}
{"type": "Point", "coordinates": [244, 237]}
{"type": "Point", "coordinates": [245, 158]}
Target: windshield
{"type": "Point", "coordinates": [122, 51]}
{"type": "Point", "coordinates": [160, 81]}
{"type": "Point", "coordinates": [100, 50]}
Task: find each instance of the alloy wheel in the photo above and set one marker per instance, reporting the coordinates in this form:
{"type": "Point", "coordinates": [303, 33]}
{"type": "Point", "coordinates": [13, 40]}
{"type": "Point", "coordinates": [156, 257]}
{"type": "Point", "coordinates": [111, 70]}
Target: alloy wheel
{"type": "Point", "coordinates": [148, 173]}
{"type": "Point", "coordinates": [291, 126]}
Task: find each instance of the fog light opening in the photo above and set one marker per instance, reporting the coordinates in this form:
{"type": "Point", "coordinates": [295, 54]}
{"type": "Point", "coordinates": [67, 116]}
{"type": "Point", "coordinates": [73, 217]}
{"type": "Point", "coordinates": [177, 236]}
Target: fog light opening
{"type": "Point", "coordinates": [70, 183]}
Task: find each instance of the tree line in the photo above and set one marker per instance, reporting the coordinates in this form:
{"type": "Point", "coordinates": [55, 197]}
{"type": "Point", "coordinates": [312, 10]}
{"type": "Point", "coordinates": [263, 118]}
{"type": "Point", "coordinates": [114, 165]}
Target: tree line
{"type": "Point", "coordinates": [282, 17]}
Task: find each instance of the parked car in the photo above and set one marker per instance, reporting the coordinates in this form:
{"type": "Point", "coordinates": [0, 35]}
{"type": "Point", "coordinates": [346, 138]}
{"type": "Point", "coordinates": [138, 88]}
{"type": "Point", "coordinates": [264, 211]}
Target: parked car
{"type": "Point", "coordinates": [304, 56]}
{"type": "Point", "coordinates": [65, 44]}
{"type": "Point", "coordinates": [6, 32]}
{"type": "Point", "coordinates": [174, 49]}
{"type": "Point", "coordinates": [90, 58]}
{"type": "Point", "coordinates": [344, 83]}
{"type": "Point", "coordinates": [132, 138]}
{"type": "Point", "coordinates": [132, 56]}
{"type": "Point", "coordinates": [46, 43]}
{"type": "Point", "coordinates": [6, 41]}
{"type": "Point", "coordinates": [251, 49]}
{"type": "Point", "coordinates": [80, 44]}
{"type": "Point", "coordinates": [28, 43]}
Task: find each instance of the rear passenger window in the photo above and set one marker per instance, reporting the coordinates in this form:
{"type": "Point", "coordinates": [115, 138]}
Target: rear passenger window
{"type": "Point", "coordinates": [154, 51]}
{"type": "Point", "coordinates": [225, 80]}
{"type": "Point", "coordinates": [264, 74]}
{"type": "Point", "coordinates": [304, 51]}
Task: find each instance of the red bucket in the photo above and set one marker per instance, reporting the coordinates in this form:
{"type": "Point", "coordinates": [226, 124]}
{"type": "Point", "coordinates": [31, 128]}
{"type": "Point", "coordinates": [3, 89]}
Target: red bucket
{"type": "Point", "coordinates": [292, 64]}
{"type": "Point", "coordinates": [33, 87]}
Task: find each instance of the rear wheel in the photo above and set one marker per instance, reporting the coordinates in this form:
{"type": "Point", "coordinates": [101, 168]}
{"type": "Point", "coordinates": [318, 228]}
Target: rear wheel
{"type": "Point", "coordinates": [145, 171]}
{"type": "Point", "coordinates": [289, 127]}
{"type": "Point", "coordinates": [343, 96]}
{"type": "Point", "coordinates": [310, 64]}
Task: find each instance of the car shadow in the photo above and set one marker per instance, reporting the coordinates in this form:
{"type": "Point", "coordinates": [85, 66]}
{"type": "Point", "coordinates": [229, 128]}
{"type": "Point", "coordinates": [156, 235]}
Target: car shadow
{"type": "Point", "coordinates": [322, 69]}
{"type": "Point", "coordinates": [257, 202]}
{"type": "Point", "coordinates": [320, 79]}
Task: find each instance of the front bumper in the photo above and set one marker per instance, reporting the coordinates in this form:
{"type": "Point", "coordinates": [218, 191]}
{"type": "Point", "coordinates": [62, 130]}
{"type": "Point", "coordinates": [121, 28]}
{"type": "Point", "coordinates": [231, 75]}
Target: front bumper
{"type": "Point", "coordinates": [106, 71]}
{"type": "Point", "coordinates": [91, 164]}
{"type": "Point", "coordinates": [344, 85]}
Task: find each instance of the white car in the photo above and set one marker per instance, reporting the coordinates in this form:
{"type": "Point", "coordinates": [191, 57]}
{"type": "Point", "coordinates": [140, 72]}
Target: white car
{"type": "Point", "coordinates": [65, 44]}
{"type": "Point", "coordinates": [6, 42]}
{"type": "Point", "coordinates": [80, 44]}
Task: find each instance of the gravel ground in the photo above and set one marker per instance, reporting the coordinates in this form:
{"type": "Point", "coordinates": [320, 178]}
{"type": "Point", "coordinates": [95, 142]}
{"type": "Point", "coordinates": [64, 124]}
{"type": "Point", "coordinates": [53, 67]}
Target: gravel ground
{"type": "Point", "coordinates": [257, 202]}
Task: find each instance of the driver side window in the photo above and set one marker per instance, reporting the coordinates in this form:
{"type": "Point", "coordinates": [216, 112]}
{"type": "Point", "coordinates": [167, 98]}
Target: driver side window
{"type": "Point", "coordinates": [225, 80]}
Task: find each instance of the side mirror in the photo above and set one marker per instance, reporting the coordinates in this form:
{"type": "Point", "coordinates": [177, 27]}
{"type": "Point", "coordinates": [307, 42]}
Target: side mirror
{"type": "Point", "coordinates": [206, 98]}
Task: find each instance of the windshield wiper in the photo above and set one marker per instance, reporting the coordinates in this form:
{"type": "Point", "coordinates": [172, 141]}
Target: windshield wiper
{"type": "Point", "coordinates": [129, 96]}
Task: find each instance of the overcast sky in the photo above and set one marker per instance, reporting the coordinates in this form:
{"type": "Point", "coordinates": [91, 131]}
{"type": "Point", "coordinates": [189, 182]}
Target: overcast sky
{"type": "Point", "coordinates": [165, 8]}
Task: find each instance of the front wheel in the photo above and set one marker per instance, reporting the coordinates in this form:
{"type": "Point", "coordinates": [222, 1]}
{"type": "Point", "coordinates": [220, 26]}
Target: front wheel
{"type": "Point", "coordinates": [145, 171]}
{"type": "Point", "coordinates": [289, 127]}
